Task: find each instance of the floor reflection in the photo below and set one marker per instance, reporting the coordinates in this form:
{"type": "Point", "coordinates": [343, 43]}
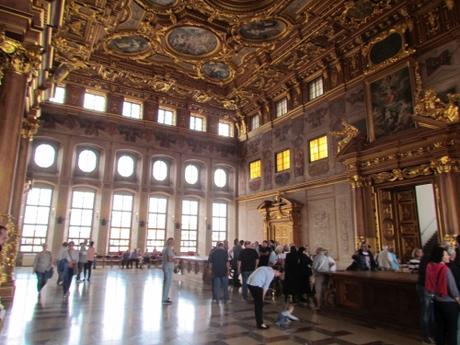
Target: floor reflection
{"type": "Point", "coordinates": [123, 307]}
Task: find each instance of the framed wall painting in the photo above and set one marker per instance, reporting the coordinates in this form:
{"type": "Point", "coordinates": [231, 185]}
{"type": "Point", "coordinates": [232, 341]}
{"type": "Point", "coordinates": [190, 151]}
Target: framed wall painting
{"type": "Point", "coordinates": [390, 102]}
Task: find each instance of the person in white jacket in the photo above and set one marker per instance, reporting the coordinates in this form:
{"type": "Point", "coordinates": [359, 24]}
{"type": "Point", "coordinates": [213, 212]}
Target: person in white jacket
{"type": "Point", "coordinates": [321, 265]}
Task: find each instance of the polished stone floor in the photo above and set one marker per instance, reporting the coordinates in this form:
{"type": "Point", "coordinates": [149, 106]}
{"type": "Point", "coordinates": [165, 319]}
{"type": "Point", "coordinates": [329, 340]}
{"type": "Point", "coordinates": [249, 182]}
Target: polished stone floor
{"type": "Point", "coordinates": [123, 307]}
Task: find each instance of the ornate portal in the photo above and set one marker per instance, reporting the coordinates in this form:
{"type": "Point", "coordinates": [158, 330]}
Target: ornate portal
{"type": "Point", "coordinates": [282, 220]}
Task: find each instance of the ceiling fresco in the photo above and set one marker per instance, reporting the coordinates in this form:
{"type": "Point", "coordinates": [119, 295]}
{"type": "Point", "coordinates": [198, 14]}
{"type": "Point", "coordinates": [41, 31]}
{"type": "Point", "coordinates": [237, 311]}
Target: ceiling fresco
{"type": "Point", "coordinates": [235, 54]}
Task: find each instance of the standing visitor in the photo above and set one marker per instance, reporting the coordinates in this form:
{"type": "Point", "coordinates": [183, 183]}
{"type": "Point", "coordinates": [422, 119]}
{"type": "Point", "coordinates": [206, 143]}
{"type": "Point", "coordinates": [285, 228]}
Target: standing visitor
{"type": "Point", "coordinates": [247, 263]}
{"type": "Point", "coordinates": [60, 262]}
{"type": "Point", "coordinates": [43, 264]}
{"type": "Point", "coordinates": [168, 269]}
{"type": "Point", "coordinates": [70, 265]}
{"type": "Point", "coordinates": [321, 266]}
{"type": "Point", "coordinates": [82, 258]}
{"type": "Point", "coordinates": [440, 282]}
{"type": "Point", "coordinates": [90, 254]}
{"type": "Point", "coordinates": [219, 268]}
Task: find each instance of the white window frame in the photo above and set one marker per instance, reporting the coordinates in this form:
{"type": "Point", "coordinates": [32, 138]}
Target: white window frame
{"type": "Point", "coordinates": [153, 238]}
{"type": "Point", "coordinates": [227, 133]}
{"type": "Point", "coordinates": [187, 229]}
{"type": "Point", "coordinates": [281, 107]}
{"type": "Point", "coordinates": [316, 88]}
{"type": "Point", "coordinates": [39, 209]}
{"type": "Point", "coordinates": [219, 225]}
{"type": "Point", "coordinates": [128, 108]}
{"type": "Point", "coordinates": [115, 241]}
{"type": "Point", "coordinates": [86, 213]}
{"type": "Point", "coordinates": [162, 116]}
{"type": "Point", "coordinates": [59, 95]}
{"type": "Point", "coordinates": [91, 100]}
{"type": "Point", "coordinates": [192, 125]}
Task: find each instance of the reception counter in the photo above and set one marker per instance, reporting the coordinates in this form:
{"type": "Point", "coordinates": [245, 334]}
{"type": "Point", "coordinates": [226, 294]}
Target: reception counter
{"type": "Point", "coordinates": [385, 297]}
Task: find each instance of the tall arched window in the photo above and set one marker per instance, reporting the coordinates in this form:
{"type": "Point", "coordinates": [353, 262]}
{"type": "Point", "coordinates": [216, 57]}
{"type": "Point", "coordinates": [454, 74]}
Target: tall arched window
{"type": "Point", "coordinates": [120, 223]}
{"type": "Point", "coordinates": [81, 215]}
{"type": "Point", "coordinates": [189, 229]}
{"type": "Point", "coordinates": [36, 219]}
{"type": "Point", "coordinates": [219, 222]}
{"type": "Point", "coordinates": [156, 227]}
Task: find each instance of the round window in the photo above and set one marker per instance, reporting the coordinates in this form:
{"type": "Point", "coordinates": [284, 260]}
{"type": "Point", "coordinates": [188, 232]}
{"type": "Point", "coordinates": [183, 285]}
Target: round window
{"type": "Point", "coordinates": [87, 161]}
{"type": "Point", "coordinates": [125, 166]}
{"type": "Point", "coordinates": [220, 178]}
{"type": "Point", "coordinates": [160, 170]}
{"type": "Point", "coordinates": [45, 155]}
{"type": "Point", "coordinates": [191, 174]}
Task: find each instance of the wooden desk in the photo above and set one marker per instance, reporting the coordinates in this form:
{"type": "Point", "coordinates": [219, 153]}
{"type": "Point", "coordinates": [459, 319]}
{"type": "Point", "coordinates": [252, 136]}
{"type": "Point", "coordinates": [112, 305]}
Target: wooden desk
{"type": "Point", "coordinates": [387, 297]}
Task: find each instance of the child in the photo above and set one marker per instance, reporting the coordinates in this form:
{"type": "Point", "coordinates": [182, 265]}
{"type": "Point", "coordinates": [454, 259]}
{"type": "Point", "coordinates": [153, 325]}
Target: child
{"type": "Point", "coordinates": [285, 317]}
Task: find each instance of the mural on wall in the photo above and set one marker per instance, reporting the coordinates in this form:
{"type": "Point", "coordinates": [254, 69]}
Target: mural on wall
{"type": "Point", "coordinates": [131, 44]}
{"type": "Point", "coordinates": [321, 225]}
{"type": "Point", "coordinates": [216, 70]}
{"type": "Point", "coordinates": [391, 103]}
{"type": "Point", "coordinates": [192, 40]}
{"type": "Point", "coordinates": [299, 162]}
{"type": "Point", "coordinates": [316, 118]}
{"type": "Point", "coordinates": [262, 30]}
{"type": "Point", "coordinates": [267, 173]}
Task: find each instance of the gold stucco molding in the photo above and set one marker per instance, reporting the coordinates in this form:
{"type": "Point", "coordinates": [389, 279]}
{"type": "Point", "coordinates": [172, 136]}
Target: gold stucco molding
{"type": "Point", "coordinates": [346, 135]}
{"type": "Point", "coordinates": [14, 55]}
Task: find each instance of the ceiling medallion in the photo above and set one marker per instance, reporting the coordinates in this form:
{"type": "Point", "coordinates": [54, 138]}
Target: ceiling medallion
{"type": "Point", "coordinates": [216, 71]}
{"type": "Point", "coordinates": [192, 41]}
{"type": "Point", "coordinates": [261, 31]}
{"type": "Point", "coordinates": [161, 3]}
{"type": "Point", "coordinates": [128, 44]}
{"type": "Point", "coordinates": [240, 6]}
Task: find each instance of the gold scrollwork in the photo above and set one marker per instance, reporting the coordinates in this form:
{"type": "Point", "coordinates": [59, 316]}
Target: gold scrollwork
{"type": "Point", "coordinates": [405, 51]}
{"type": "Point", "coordinates": [15, 55]}
{"type": "Point", "coordinates": [30, 126]}
{"type": "Point", "coordinates": [346, 135]}
{"type": "Point", "coordinates": [445, 165]}
{"type": "Point", "coordinates": [402, 174]}
{"type": "Point", "coordinates": [9, 250]}
{"type": "Point", "coordinates": [429, 105]}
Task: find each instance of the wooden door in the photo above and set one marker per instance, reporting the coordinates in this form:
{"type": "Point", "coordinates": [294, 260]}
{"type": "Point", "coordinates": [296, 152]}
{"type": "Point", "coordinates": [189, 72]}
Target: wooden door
{"type": "Point", "coordinates": [399, 227]}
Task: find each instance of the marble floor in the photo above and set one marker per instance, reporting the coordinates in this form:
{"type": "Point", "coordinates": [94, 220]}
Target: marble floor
{"type": "Point", "coordinates": [124, 307]}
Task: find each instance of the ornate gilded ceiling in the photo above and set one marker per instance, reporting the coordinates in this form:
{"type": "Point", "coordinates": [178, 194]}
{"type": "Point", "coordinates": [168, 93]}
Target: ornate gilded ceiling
{"type": "Point", "coordinates": [230, 53]}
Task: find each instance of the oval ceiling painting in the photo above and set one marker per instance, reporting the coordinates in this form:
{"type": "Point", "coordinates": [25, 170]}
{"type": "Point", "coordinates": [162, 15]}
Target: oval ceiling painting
{"type": "Point", "coordinates": [132, 44]}
{"type": "Point", "coordinates": [164, 3]}
{"type": "Point", "coordinates": [193, 41]}
{"type": "Point", "coordinates": [262, 30]}
{"type": "Point", "coordinates": [216, 70]}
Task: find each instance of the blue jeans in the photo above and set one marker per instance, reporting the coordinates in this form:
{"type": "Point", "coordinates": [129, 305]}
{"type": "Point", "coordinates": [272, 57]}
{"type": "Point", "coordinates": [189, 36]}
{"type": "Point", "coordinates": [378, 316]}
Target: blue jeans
{"type": "Point", "coordinates": [426, 311]}
{"type": "Point", "coordinates": [245, 276]}
{"type": "Point", "coordinates": [67, 278]}
{"type": "Point", "coordinates": [167, 281]}
{"type": "Point", "coordinates": [218, 284]}
{"type": "Point", "coordinates": [42, 278]}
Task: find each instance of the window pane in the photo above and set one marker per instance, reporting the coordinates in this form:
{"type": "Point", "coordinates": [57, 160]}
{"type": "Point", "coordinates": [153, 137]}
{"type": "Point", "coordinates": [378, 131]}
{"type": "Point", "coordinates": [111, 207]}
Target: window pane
{"type": "Point", "coordinates": [87, 160]}
{"type": "Point", "coordinates": [81, 215]}
{"type": "Point", "coordinates": [189, 230]}
{"type": "Point", "coordinates": [156, 229]}
{"type": "Point", "coordinates": [160, 170]}
{"type": "Point", "coordinates": [224, 129]}
{"type": "Point", "coordinates": [220, 178]}
{"type": "Point", "coordinates": [36, 218]}
{"type": "Point", "coordinates": [196, 123]}
{"type": "Point", "coordinates": [283, 160]}
{"type": "Point", "coordinates": [281, 107]}
{"type": "Point", "coordinates": [59, 95]}
{"type": "Point", "coordinates": [318, 148]}
{"type": "Point", "coordinates": [94, 102]}
{"type": "Point", "coordinates": [45, 155]}
{"type": "Point", "coordinates": [191, 174]}
{"type": "Point", "coordinates": [255, 122]}
{"type": "Point", "coordinates": [120, 225]}
{"type": "Point", "coordinates": [255, 169]}
{"type": "Point", "coordinates": [166, 117]}
{"type": "Point", "coordinates": [125, 166]}
{"type": "Point", "coordinates": [219, 222]}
